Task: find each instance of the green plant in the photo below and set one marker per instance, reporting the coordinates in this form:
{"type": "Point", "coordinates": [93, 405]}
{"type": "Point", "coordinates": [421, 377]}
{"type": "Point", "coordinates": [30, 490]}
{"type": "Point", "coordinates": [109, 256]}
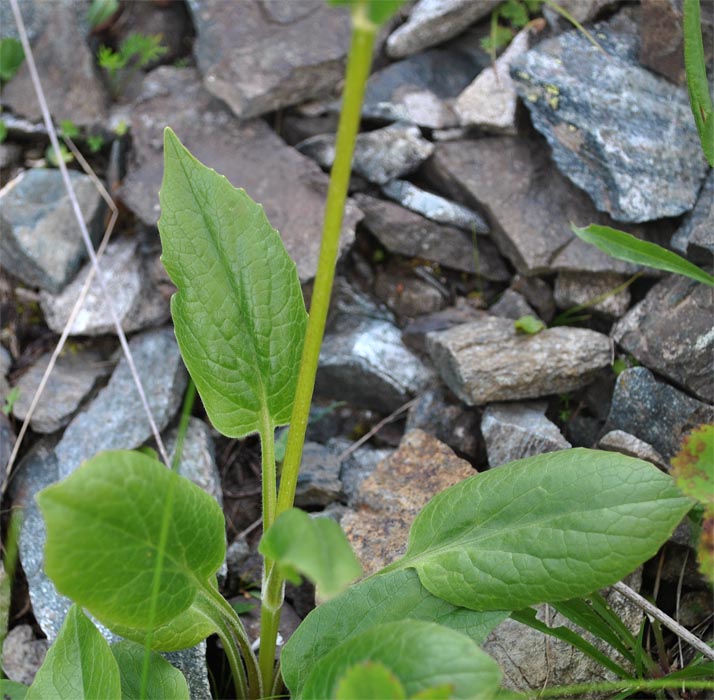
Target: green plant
{"type": "Point", "coordinates": [528, 324]}
{"type": "Point", "coordinates": [100, 11]}
{"type": "Point", "coordinates": [11, 58]}
{"type": "Point", "coordinates": [12, 396]}
{"type": "Point", "coordinates": [51, 155]}
{"type": "Point", "coordinates": [135, 52]}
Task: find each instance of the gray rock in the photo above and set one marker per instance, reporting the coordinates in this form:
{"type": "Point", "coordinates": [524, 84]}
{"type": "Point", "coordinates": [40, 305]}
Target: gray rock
{"type": "Point", "coordinates": [262, 55]}
{"type": "Point", "coordinates": [670, 331]}
{"type": "Point", "coordinates": [379, 156]}
{"type": "Point", "coordinates": [434, 21]}
{"type": "Point", "coordinates": [416, 332]}
{"type": "Point", "coordinates": [580, 10]}
{"type": "Point", "coordinates": [7, 441]}
{"type": "Point", "coordinates": [41, 243]}
{"type": "Point", "coordinates": [116, 418]}
{"type": "Point", "coordinates": [513, 180]}
{"type": "Point", "coordinates": [23, 654]}
{"type": "Point", "coordinates": [72, 378]}
{"type": "Point", "coordinates": [10, 154]}
{"type": "Point", "coordinates": [487, 360]}
{"type": "Point", "coordinates": [582, 289]}
{"type": "Point", "coordinates": [5, 363]}
{"type": "Point", "coordinates": [695, 237]}
{"type": "Point", "coordinates": [512, 305]}
{"type": "Point", "coordinates": [319, 482]}
{"type": "Point", "coordinates": [626, 444]}
{"type": "Point", "coordinates": [514, 431]}
{"type": "Point", "coordinates": [34, 16]}
{"type": "Point", "coordinates": [291, 187]}
{"type": "Point", "coordinates": [537, 293]}
{"type": "Point", "coordinates": [368, 365]}
{"type": "Point", "coordinates": [651, 165]}
{"type": "Point", "coordinates": [654, 411]}
{"type": "Point", "coordinates": [136, 301]}
{"type": "Point", "coordinates": [406, 295]}
{"type": "Point", "coordinates": [357, 466]}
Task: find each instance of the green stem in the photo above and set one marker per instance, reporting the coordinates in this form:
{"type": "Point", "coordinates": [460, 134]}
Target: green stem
{"type": "Point", "coordinates": [271, 603]}
{"type": "Point", "coordinates": [267, 451]}
{"type": "Point", "coordinates": [582, 688]}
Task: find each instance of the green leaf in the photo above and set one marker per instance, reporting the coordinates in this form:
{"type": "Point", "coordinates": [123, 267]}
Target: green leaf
{"type": "Point", "coordinates": [11, 57]}
{"type": "Point", "coordinates": [100, 11]}
{"type": "Point", "coordinates": [12, 396]}
{"type": "Point", "coordinates": [103, 534]}
{"type": "Point", "coordinates": [369, 680]}
{"type": "Point", "coordinates": [697, 82]}
{"type": "Point", "coordinates": [624, 246]}
{"type": "Point", "coordinates": [529, 324]}
{"type": "Point", "coordinates": [515, 12]}
{"type": "Point", "coordinates": [10, 690]}
{"type": "Point", "coordinates": [3, 131]}
{"type": "Point", "coordinates": [378, 11]}
{"type": "Point", "coordinates": [165, 682]}
{"type": "Point", "coordinates": [95, 142]}
{"type": "Point", "coordinates": [421, 655]}
{"type": "Point", "coordinates": [51, 155]}
{"type": "Point", "coordinates": [239, 314]}
{"type": "Point", "coordinates": [542, 529]}
{"type": "Point", "coordinates": [78, 665]}
{"type": "Point", "coordinates": [388, 597]}
{"type": "Point", "coordinates": [314, 547]}
{"type": "Point", "coordinates": [693, 465]}
{"type": "Point", "coordinates": [69, 128]}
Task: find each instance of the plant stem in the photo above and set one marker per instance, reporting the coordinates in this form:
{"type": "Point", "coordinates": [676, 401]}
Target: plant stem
{"type": "Point", "coordinates": [271, 602]}
{"type": "Point", "coordinates": [269, 482]}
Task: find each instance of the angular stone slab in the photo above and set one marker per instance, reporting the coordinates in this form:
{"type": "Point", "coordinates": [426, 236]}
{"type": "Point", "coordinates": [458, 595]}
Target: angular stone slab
{"type": "Point", "coordinates": [41, 243]}
{"type": "Point", "coordinates": [633, 149]}
{"type": "Point", "coordinates": [291, 187]}
{"type": "Point", "coordinates": [514, 181]}
{"type": "Point", "coordinates": [626, 444]}
{"type": "Point", "coordinates": [318, 482]}
{"type": "Point", "coordinates": [116, 418]}
{"type": "Point", "coordinates": [263, 55]}
{"type": "Point", "coordinates": [671, 332]}
{"type": "Point", "coordinates": [582, 288]}
{"type": "Point", "coordinates": [487, 360]}
{"type": "Point", "coordinates": [695, 237]}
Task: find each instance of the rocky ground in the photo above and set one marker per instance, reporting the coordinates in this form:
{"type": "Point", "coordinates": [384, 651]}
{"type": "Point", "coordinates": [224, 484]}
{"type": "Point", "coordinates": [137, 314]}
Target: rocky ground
{"type": "Point", "coordinates": [466, 177]}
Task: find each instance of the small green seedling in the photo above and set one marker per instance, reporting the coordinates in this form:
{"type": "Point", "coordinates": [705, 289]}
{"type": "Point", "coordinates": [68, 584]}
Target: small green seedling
{"type": "Point", "coordinates": [51, 155]}
{"type": "Point", "coordinates": [11, 58]}
{"type": "Point", "coordinates": [100, 11]}
{"type": "Point", "coordinates": [12, 396]}
{"type": "Point", "coordinates": [529, 324]}
{"type": "Point", "coordinates": [135, 52]}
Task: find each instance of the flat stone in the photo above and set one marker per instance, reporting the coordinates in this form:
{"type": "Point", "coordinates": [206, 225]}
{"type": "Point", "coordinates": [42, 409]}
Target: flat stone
{"type": "Point", "coordinates": [580, 10]}
{"type": "Point", "coordinates": [654, 411]}
{"type": "Point", "coordinates": [71, 380]}
{"type": "Point", "coordinates": [670, 331]}
{"type": "Point", "coordinates": [368, 365]}
{"type": "Point", "coordinates": [406, 295]}
{"type": "Point", "coordinates": [416, 332]}
{"type": "Point", "coordinates": [7, 441]}
{"type": "Point", "coordinates": [41, 243]}
{"type": "Point", "coordinates": [358, 466]}
{"type": "Point", "coordinates": [537, 293]}
{"type": "Point", "coordinates": [379, 156]}
{"type": "Point", "coordinates": [651, 165]}
{"type": "Point", "coordinates": [512, 305]}
{"type": "Point", "coordinates": [514, 431]}
{"type": "Point", "coordinates": [34, 15]}
{"type": "Point", "coordinates": [23, 654]}
{"type": "Point", "coordinates": [137, 302]}
{"type": "Point", "coordinates": [582, 288]}
{"type": "Point", "coordinates": [291, 187]}
{"type": "Point", "coordinates": [391, 497]}
{"type": "Point", "coordinates": [434, 21]}
{"type": "Point", "coordinates": [487, 360]}
{"type": "Point", "coordinates": [695, 237]}
{"type": "Point", "coordinates": [116, 418]}
{"type": "Point", "coordinates": [626, 444]}
{"type": "Point", "coordinates": [262, 55]}
{"type": "Point", "coordinates": [513, 180]}
{"type": "Point", "coordinates": [318, 482]}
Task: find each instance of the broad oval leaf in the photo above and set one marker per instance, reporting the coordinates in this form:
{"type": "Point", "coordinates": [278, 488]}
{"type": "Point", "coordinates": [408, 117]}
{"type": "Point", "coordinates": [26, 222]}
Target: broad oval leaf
{"type": "Point", "coordinates": [11, 690]}
{"type": "Point", "coordinates": [103, 536]}
{"type": "Point", "coordinates": [239, 314]}
{"type": "Point", "coordinates": [389, 597]}
{"type": "Point", "coordinates": [421, 655]}
{"type": "Point", "coordinates": [164, 681]}
{"type": "Point", "coordinates": [625, 246]}
{"type": "Point", "coordinates": [543, 529]}
{"type": "Point", "coordinates": [369, 680]}
{"type": "Point", "coordinates": [78, 665]}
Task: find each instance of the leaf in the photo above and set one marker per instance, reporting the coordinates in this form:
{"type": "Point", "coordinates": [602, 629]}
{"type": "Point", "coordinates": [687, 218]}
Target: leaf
{"type": "Point", "coordinates": [78, 665]}
{"type": "Point", "coordinates": [369, 680]}
{"type": "Point", "coordinates": [693, 465]}
{"type": "Point", "coordinates": [11, 57]}
{"type": "Point", "coordinates": [10, 690]}
{"type": "Point", "coordinates": [100, 11]}
{"type": "Point", "coordinates": [529, 324]}
{"type": "Point", "coordinates": [388, 597]}
{"type": "Point", "coordinates": [378, 11]}
{"type": "Point", "coordinates": [624, 246]}
{"type": "Point", "coordinates": [3, 131]}
{"type": "Point", "coordinates": [542, 529]}
{"type": "Point", "coordinates": [103, 534]}
{"type": "Point", "coordinates": [314, 547]}
{"type": "Point", "coordinates": [697, 83]}
{"type": "Point", "coordinates": [421, 655]}
{"type": "Point", "coordinates": [164, 681]}
{"type": "Point", "coordinates": [239, 314]}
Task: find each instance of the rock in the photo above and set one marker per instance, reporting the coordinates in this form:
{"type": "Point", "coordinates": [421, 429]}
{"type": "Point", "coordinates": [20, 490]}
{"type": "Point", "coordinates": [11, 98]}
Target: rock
{"type": "Point", "coordinates": [358, 466]}
{"type": "Point", "coordinates": [626, 444]}
{"type": "Point", "coordinates": [582, 289]}
{"type": "Point", "coordinates": [23, 654]}
{"type": "Point", "coordinates": [41, 242]}
{"type": "Point", "coordinates": [136, 301]}
{"type": "Point", "coordinates": [670, 331]}
{"type": "Point", "coordinates": [487, 360]}
{"type": "Point", "coordinates": [34, 16]}
{"type": "Point", "coordinates": [416, 332]}
{"type": "Point", "coordinates": [5, 364]}
{"type": "Point", "coordinates": [66, 68]}
{"type": "Point", "coordinates": [407, 295]}
{"type": "Point", "coordinates": [254, 55]}
{"type": "Point", "coordinates": [694, 608]}
{"type": "Point", "coordinates": [695, 237]}
{"type": "Point", "coordinates": [288, 624]}
{"type": "Point", "coordinates": [434, 207]}
{"type": "Point", "coordinates": [651, 165]}
{"type": "Point", "coordinates": [7, 440]}
{"type": "Point", "coordinates": [512, 305]}
{"type": "Point", "coordinates": [515, 431]}
{"type": "Point", "coordinates": [368, 365]}
{"type": "Point", "coordinates": [654, 412]}
{"type": "Point", "coordinates": [71, 380]}
{"type": "Point", "coordinates": [434, 21]}
{"type": "Point", "coordinates": [290, 186]}
{"type": "Point", "coordinates": [489, 102]}
{"type": "Point", "coordinates": [116, 418]}
{"type": "Point", "coordinates": [10, 155]}
{"type": "Point", "coordinates": [537, 293]}
{"type": "Point", "coordinates": [580, 10]}
{"type": "Point", "coordinates": [379, 156]}
{"type": "Point", "coordinates": [318, 483]}
{"type": "Point", "coordinates": [520, 201]}
{"type": "Point", "coordinates": [391, 497]}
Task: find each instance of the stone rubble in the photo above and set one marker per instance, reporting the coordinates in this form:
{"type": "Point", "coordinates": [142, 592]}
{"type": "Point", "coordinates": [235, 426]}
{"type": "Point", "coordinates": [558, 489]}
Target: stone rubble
{"type": "Point", "coordinates": [626, 444]}
{"type": "Point", "coordinates": [695, 237]}
{"type": "Point", "coordinates": [596, 292]}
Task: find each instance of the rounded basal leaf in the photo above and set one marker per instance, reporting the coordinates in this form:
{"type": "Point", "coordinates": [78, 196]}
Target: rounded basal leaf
{"type": "Point", "coordinates": [420, 655]}
{"type": "Point", "coordinates": [103, 537]}
{"type": "Point", "coordinates": [369, 680]}
{"type": "Point", "coordinates": [546, 528]}
{"type": "Point", "coordinates": [239, 314]}
{"type": "Point", "coordinates": [164, 681]}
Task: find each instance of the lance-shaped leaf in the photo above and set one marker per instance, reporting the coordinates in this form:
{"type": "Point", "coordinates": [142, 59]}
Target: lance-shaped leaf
{"type": "Point", "coordinates": [543, 529]}
{"type": "Point", "coordinates": [164, 681]}
{"type": "Point", "coordinates": [239, 314]}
